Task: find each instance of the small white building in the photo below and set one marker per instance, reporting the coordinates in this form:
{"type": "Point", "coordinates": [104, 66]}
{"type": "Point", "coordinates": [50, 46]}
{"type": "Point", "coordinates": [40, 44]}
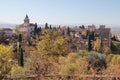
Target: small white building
{"type": "Point", "coordinates": [7, 32]}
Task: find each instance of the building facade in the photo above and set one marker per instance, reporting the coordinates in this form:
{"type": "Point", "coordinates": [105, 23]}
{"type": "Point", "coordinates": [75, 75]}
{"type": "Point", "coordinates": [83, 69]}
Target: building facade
{"type": "Point", "coordinates": [27, 28]}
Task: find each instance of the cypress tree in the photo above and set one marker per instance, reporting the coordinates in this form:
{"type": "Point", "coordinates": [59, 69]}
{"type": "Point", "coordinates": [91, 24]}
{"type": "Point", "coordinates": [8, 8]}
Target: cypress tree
{"type": "Point", "coordinates": [92, 36]}
{"type": "Point", "coordinates": [63, 33]}
{"type": "Point", "coordinates": [35, 29]}
{"type": "Point", "coordinates": [20, 51]}
{"type": "Point", "coordinates": [83, 26]}
{"type": "Point", "coordinates": [39, 30]}
{"type": "Point", "coordinates": [19, 38]}
{"type": "Point", "coordinates": [89, 42]}
{"type": "Point", "coordinates": [20, 57]}
{"type": "Point", "coordinates": [19, 42]}
{"type": "Point", "coordinates": [68, 31]}
{"type": "Point", "coordinates": [46, 26]}
{"type": "Point", "coordinates": [101, 47]}
{"type": "Point", "coordinates": [50, 27]}
{"type": "Point", "coordinates": [87, 34]}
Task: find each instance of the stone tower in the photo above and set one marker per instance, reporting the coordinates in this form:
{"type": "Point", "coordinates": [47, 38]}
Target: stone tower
{"type": "Point", "coordinates": [26, 20]}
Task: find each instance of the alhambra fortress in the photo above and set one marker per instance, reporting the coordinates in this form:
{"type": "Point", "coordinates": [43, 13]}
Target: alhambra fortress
{"type": "Point", "coordinates": [78, 33]}
{"type": "Point", "coordinates": [57, 52]}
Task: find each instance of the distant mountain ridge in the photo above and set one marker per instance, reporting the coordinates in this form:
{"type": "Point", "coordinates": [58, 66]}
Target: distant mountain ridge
{"type": "Point", "coordinates": [12, 26]}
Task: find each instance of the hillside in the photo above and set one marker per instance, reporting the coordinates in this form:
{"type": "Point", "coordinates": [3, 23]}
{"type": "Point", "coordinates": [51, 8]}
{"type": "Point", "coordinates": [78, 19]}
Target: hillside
{"type": "Point", "coordinates": [115, 47]}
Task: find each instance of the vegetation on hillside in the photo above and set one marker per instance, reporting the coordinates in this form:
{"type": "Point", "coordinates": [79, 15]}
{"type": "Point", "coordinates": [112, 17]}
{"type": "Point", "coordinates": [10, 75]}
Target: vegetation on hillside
{"type": "Point", "coordinates": [115, 47]}
{"type": "Point", "coordinates": [52, 56]}
{"type": "Point", "coordinates": [5, 59]}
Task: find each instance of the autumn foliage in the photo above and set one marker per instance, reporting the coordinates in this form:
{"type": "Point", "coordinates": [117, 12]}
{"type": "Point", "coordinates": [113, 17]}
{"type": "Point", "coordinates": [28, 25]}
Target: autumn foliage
{"type": "Point", "coordinates": [52, 56]}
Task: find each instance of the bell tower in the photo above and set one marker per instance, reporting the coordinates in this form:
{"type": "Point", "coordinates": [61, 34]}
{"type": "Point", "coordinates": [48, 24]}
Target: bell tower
{"type": "Point", "coordinates": [26, 20]}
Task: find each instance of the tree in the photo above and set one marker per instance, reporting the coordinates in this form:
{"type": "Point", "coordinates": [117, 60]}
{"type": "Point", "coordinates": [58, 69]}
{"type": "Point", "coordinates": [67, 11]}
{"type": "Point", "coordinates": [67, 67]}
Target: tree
{"type": "Point", "coordinates": [50, 26]}
{"type": "Point", "coordinates": [72, 63]}
{"type": "Point", "coordinates": [97, 45]}
{"type": "Point", "coordinates": [107, 50]}
{"type": "Point", "coordinates": [115, 60]}
{"type": "Point", "coordinates": [63, 32]}
{"type": "Point", "coordinates": [44, 57]}
{"type": "Point", "coordinates": [89, 42]}
{"type": "Point", "coordinates": [83, 26]}
{"type": "Point", "coordinates": [19, 38]}
{"type": "Point", "coordinates": [20, 51]}
{"type": "Point", "coordinates": [5, 60]}
{"type": "Point", "coordinates": [1, 36]}
{"type": "Point", "coordinates": [46, 26]}
{"type": "Point", "coordinates": [39, 30]}
{"type": "Point", "coordinates": [92, 36]}
{"type": "Point", "coordinates": [68, 31]}
{"type": "Point", "coordinates": [96, 61]}
{"type": "Point", "coordinates": [18, 71]}
{"type": "Point", "coordinates": [20, 57]}
{"type": "Point", "coordinates": [35, 29]}
{"type": "Point", "coordinates": [114, 38]}
{"type": "Point", "coordinates": [53, 44]}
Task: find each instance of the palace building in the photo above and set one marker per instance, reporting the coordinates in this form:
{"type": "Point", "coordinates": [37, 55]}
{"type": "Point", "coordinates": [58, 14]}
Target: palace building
{"type": "Point", "coordinates": [27, 28]}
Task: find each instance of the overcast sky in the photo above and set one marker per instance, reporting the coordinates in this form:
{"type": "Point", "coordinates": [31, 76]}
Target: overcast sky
{"type": "Point", "coordinates": [61, 11]}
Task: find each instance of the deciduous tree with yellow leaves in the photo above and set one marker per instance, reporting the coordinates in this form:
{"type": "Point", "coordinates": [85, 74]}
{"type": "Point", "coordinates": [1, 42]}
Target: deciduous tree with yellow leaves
{"type": "Point", "coordinates": [97, 45]}
{"type": "Point", "coordinates": [5, 59]}
{"type": "Point", "coordinates": [45, 56]}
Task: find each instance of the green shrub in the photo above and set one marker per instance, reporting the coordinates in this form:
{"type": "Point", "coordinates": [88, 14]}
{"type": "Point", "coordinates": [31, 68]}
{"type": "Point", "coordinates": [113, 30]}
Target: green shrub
{"type": "Point", "coordinates": [97, 61]}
